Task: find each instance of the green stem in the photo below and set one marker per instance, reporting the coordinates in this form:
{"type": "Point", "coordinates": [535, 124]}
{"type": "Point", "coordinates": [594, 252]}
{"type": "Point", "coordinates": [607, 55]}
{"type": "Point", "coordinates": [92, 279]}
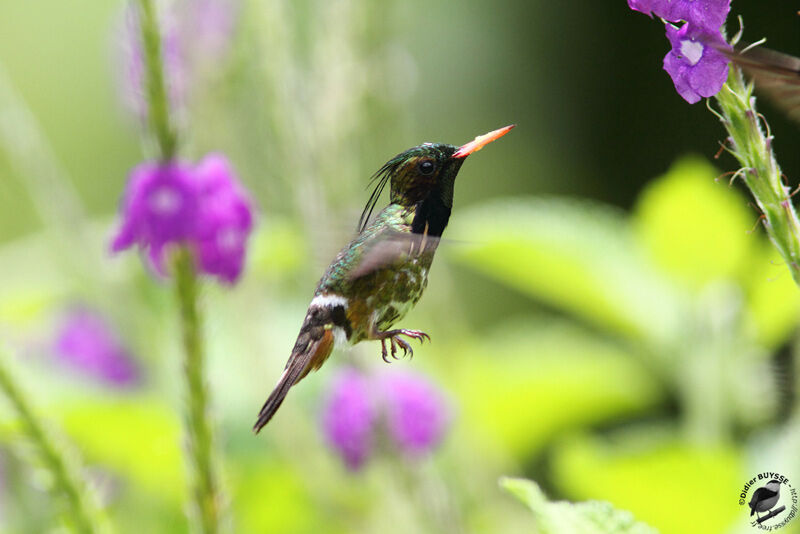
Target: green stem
{"type": "Point", "coordinates": [157, 101]}
{"type": "Point", "coordinates": [760, 171]}
{"type": "Point", "coordinates": [206, 497]}
{"type": "Point", "coordinates": [205, 494]}
{"type": "Point", "coordinates": [83, 513]}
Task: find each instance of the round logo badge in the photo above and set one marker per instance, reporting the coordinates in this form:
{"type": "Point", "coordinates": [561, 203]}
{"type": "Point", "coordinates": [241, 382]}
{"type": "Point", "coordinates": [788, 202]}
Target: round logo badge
{"type": "Point", "coordinates": [769, 500]}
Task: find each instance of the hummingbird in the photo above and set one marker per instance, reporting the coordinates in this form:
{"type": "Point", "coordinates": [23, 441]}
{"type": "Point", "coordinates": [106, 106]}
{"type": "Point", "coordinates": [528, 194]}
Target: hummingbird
{"type": "Point", "coordinates": [379, 276]}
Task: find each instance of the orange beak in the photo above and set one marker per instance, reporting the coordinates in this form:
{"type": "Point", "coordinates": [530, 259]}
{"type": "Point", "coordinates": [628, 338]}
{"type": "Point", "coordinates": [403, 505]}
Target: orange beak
{"type": "Point", "coordinates": [481, 141]}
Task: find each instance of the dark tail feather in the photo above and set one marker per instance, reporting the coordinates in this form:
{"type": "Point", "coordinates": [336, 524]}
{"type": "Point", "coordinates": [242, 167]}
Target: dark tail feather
{"type": "Point", "coordinates": [275, 399]}
{"type": "Point", "coordinates": [308, 354]}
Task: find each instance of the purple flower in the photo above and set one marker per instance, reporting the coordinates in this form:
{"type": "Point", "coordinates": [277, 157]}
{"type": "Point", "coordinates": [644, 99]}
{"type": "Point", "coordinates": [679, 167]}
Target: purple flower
{"type": "Point", "coordinates": [349, 416]}
{"type": "Point", "coordinates": [696, 67]}
{"type": "Point", "coordinates": [226, 219]}
{"type": "Point", "coordinates": [203, 207]}
{"type": "Point", "coordinates": [160, 207]}
{"type": "Point", "coordinates": [400, 409]}
{"type": "Point", "coordinates": [415, 412]}
{"type": "Point", "coordinates": [709, 14]}
{"type": "Point", "coordinates": [646, 6]}
{"type": "Point", "coordinates": [87, 343]}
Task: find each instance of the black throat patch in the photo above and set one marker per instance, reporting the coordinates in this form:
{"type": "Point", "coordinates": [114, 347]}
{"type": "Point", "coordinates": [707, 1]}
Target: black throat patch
{"type": "Point", "coordinates": [431, 213]}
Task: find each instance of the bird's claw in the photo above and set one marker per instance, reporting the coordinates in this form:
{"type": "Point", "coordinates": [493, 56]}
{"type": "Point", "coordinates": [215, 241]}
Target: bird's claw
{"type": "Point", "coordinates": [407, 350]}
{"type": "Point", "coordinates": [395, 340]}
{"type": "Point", "coordinates": [416, 334]}
{"type": "Point", "coordinates": [384, 354]}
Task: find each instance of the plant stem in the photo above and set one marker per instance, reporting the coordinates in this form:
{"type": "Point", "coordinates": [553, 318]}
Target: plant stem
{"type": "Point", "coordinates": [157, 102]}
{"type": "Point", "coordinates": [760, 171]}
{"type": "Point", "coordinates": [83, 513]}
{"type": "Point", "coordinates": [205, 494]}
{"type": "Point", "coordinates": [206, 498]}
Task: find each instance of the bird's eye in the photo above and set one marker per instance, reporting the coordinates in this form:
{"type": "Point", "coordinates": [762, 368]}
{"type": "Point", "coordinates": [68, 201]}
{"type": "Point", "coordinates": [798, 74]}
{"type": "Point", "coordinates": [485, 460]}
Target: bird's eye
{"type": "Point", "coordinates": [426, 167]}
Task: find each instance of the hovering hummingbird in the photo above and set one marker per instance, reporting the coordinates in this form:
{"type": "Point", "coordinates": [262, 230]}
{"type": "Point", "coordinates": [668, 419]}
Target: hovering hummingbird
{"type": "Point", "coordinates": [379, 276]}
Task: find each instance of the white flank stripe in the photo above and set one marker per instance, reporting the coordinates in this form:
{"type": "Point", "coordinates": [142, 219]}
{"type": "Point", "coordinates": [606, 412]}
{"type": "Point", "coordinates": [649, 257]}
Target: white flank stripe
{"type": "Point", "coordinates": [339, 337]}
{"type": "Point", "coordinates": [330, 301]}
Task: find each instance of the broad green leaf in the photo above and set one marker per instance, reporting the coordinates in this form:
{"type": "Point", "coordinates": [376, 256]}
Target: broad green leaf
{"type": "Point", "coordinates": [523, 384]}
{"type": "Point", "coordinates": [578, 256]}
{"type": "Point", "coordinates": [773, 299]}
{"type": "Point", "coordinates": [271, 497]}
{"type": "Point", "coordinates": [694, 227]}
{"type": "Point", "coordinates": [674, 486]}
{"type": "Point", "coordinates": [592, 517]}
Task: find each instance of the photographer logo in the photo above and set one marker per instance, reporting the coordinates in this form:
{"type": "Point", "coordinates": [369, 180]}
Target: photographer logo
{"type": "Point", "coordinates": [770, 501]}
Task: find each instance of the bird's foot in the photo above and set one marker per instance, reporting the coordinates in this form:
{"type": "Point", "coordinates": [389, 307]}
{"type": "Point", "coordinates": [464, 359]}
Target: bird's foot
{"type": "Point", "coordinates": [393, 336]}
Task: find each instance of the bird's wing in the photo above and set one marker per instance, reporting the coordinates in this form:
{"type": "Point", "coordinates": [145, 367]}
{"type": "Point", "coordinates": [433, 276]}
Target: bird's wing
{"type": "Point", "coordinates": [761, 494]}
{"type": "Point", "coordinates": [312, 348]}
{"type": "Point", "coordinates": [390, 247]}
{"type": "Point", "coordinates": [754, 499]}
{"type": "Point", "coordinates": [776, 73]}
{"type": "Point", "coordinates": [338, 275]}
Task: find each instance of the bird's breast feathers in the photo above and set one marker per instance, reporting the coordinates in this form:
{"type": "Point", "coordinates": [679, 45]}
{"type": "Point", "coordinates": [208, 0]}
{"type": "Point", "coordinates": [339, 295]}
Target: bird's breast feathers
{"type": "Point", "coordinates": [377, 300]}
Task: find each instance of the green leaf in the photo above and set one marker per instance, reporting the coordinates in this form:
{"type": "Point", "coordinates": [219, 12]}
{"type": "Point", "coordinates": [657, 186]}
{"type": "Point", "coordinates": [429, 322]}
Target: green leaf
{"type": "Point", "coordinates": [271, 497]}
{"type": "Point", "coordinates": [526, 382]}
{"type": "Point", "coordinates": [592, 517]}
{"type": "Point", "coordinates": [675, 486]}
{"type": "Point", "coordinates": [694, 227]}
{"type": "Point", "coordinates": [578, 256]}
{"type": "Point", "coordinates": [773, 301]}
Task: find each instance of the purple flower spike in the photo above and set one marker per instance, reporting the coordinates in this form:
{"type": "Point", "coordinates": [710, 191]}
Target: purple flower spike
{"type": "Point", "coordinates": [646, 6]}
{"type": "Point", "coordinates": [709, 14]}
{"type": "Point", "coordinates": [87, 343]}
{"type": "Point", "coordinates": [696, 67]}
{"type": "Point", "coordinates": [400, 409]}
{"type": "Point", "coordinates": [159, 208]}
{"type": "Point", "coordinates": [204, 208]}
{"type": "Point", "coordinates": [348, 418]}
{"type": "Point", "coordinates": [225, 219]}
{"type": "Point", "coordinates": [416, 413]}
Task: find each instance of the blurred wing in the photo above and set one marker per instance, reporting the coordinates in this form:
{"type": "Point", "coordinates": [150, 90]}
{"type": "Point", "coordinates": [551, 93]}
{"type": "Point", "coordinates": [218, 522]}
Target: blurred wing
{"type": "Point", "coordinates": [391, 247]}
{"type": "Point", "coordinates": [775, 73]}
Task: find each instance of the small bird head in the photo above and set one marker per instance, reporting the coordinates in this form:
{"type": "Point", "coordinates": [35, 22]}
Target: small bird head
{"type": "Point", "coordinates": [419, 171]}
{"type": "Point", "coordinates": [774, 485]}
{"type": "Point", "coordinates": [424, 176]}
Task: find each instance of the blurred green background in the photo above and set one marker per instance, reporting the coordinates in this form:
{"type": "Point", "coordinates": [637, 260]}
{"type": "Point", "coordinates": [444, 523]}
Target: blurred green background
{"type": "Point", "coordinates": [607, 318]}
